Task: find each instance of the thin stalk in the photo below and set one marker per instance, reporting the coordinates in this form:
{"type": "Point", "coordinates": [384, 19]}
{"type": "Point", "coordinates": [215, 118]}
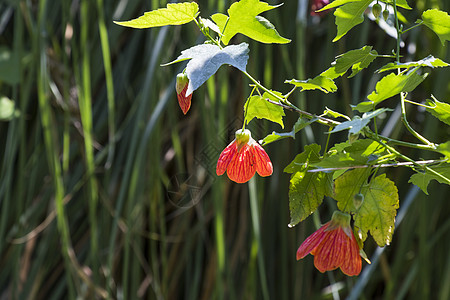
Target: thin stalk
{"type": "Point", "coordinates": [254, 209]}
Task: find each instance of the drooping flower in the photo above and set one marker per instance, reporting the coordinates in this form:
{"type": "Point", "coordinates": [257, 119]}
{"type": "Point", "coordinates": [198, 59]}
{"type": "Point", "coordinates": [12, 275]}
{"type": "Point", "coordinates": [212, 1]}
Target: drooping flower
{"type": "Point", "coordinates": [181, 88]}
{"type": "Point", "coordinates": [318, 4]}
{"type": "Point", "coordinates": [333, 246]}
{"type": "Point", "coordinates": [243, 157]}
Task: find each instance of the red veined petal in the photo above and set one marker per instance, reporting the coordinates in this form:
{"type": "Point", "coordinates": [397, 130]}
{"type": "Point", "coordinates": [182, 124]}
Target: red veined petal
{"type": "Point", "coordinates": [330, 254]}
{"type": "Point", "coordinates": [352, 265]}
{"type": "Point", "coordinates": [262, 161]}
{"type": "Point", "coordinates": [242, 167]}
{"type": "Point", "coordinates": [183, 101]}
{"type": "Point", "coordinates": [225, 157]}
{"type": "Point", "coordinates": [312, 242]}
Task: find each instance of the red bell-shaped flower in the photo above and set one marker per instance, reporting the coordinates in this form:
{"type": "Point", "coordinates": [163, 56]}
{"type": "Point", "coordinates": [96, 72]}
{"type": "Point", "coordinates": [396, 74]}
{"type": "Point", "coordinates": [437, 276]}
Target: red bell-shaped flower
{"type": "Point", "coordinates": [333, 246]}
{"type": "Point", "coordinates": [243, 157]}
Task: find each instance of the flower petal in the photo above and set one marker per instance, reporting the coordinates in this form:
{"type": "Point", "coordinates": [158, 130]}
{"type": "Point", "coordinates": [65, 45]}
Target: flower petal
{"type": "Point", "coordinates": [312, 242]}
{"type": "Point", "coordinates": [225, 157]}
{"type": "Point", "coordinates": [330, 254]}
{"type": "Point", "coordinates": [242, 167]}
{"type": "Point", "coordinates": [352, 265]}
{"type": "Point", "coordinates": [263, 164]}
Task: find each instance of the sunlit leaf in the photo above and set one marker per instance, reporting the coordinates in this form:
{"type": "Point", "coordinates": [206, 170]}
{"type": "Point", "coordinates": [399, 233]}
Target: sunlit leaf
{"type": "Point", "coordinates": [322, 83]}
{"type": "Point", "coordinates": [243, 18]}
{"type": "Point", "coordinates": [257, 107]}
{"type": "Point", "coordinates": [439, 22]}
{"type": "Point", "coordinates": [174, 14]}
{"type": "Point", "coordinates": [336, 3]}
{"type": "Point", "coordinates": [206, 59]}
{"type": "Point", "coordinates": [440, 110]}
{"type": "Point", "coordinates": [429, 61]}
{"type": "Point", "coordinates": [444, 148]}
{"type": "Point", "coordinates": [356, 59]}
{"type": "Point", "coordinates": [306, 190]}
{"type": "Point", "coordinates": [379, 208]}
{"type": "Point", "coordinates": [390, 86]}
{"type": "Point", "coordinates": [361, 152]}
{"type": "Point", "coordinates": [358, 123]}
{"type": "Point", "coordinates": [275, 136]}
{"type": "Point", "coordinates": [334, 114]}
{"type": "Point", "coordinates": [348, 16]}
{"type": "Point", "coordinates": [423, 178]}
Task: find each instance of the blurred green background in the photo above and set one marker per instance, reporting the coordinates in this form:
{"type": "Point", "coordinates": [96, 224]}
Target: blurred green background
{"type": "Point", "coordinates": [108, 191]}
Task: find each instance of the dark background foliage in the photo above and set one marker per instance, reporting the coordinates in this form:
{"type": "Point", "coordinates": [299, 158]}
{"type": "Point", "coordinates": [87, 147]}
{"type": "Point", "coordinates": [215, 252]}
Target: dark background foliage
{"type": "Point", "coordinates": [108, 190]}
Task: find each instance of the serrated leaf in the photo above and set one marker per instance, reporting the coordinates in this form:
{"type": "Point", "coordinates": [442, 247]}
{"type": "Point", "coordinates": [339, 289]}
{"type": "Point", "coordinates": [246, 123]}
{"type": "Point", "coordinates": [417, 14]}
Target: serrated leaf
{"type": "Point", "coordinates": [275, 136]}
{"type": "Point", "coordinates": [361, 152]}
{"type": "Point", "coordinates": [439, 22]}
{"type": "Point", "coordinates": [348, 16]}
{"type": "Point", "coordinates": [174, 14]}
{"type": "Point", "coordinates": [206, 59]}
{"type": "Point", "coordinates": [322, 83]}
{"type": "Point", "coordinates": [306, 190]}
{"type": "Point", "coordinates": [444, 148]}
{"type": "Point", "coordinates": [256, 106]}
{"type": "Point", "coordinates": [390, 86]}
{"type": "Point", "coordinates": [336, 3]}
{"type": "Point", "coordinates": [358, 123]}
{"type": "Point", "coordinates": [422, 179]}
{"type": "Point", "coordinates": [243, 18]}
{"type": "Point", "coordinates": [429, 61]}
{"type": "Point", "coordinates": [357, 59]}
{"type": "Point", "coordinates": [379, 208]}
{"type": "Point", "coordinates": [334, 114]}
{"type": "Point", "coordinates": [210, 24]}
{"type": "Point", "coordinates": [440, 110]}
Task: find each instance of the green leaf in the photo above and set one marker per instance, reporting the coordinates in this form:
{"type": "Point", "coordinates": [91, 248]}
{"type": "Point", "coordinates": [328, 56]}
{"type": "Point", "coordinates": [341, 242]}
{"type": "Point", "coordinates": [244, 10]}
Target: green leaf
{"type": "Point", "coordinates": [379, 208]}
{"type": "Point", "coordinates": [306, 190]}
{"type": "Point", "coordinates": [206, 59]}
{"type": "Point", "coordinates": [361, 152]}
{"type": "Point", "coordinates": [336, 3]}
{"type": "Point", "coordinates": [357, 59]}
{"type": "Point", "coordinates": [429, 61]}
{"type": "Point", "coordinates": [322, 83]}
{"type": "Point", "coordinates": [440, 110]}
{"type": "Point", "coordinates": [275, 136]}
{"type": "Point", "coordinates": [444, 148]}
{"type": "Point", "coordinates": [174, 14]}
{"type": "Point", "coordinates": [243, 18]}
{"type": "Point", "coordinates": [334, 114]}
{"type": "Point", "coordinates": [390, 86]}
{"type": "Point", "coordinates": [348, 16]}
{"type": "Point", "coordinates": [358, 123]}
{"type": "Point", "coordinates": [439, 22]}
{"type": "Point", "coordinates": [7, 109]}
{"type": "Point", "coordinates": [422, 179]}
{"type": "Point", "coordinates": [256, 106]}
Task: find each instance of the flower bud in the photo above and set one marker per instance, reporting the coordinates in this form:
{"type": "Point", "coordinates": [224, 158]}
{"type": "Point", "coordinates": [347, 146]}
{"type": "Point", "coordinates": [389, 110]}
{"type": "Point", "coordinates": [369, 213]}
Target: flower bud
{"type": "Point", "coordinates": [386, 14]}
{"type": "Point", "coordinates": [181, 88]}
{"type": "Point", "coordinates": [376, 10]}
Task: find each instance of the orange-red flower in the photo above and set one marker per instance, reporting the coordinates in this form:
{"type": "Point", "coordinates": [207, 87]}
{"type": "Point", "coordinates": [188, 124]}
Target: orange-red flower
{"type": "Point", "coordinates": [243, 157]}
{"type": "Point", "coordinates": [181, 88]}
{"type": "Point", "coordinates": [333, 246]}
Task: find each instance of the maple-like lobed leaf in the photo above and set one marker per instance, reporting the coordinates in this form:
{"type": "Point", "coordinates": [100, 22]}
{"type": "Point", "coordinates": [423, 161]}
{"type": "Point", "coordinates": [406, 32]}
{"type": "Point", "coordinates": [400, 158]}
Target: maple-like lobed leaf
{"type": "Point", "coordinates": [275, 136]}
{"type": "Point", "coordinates": [243, 18]}
{"type": "Point", "coordinates": [439, 22]}
{"type": "Point", "coordinates": [306, 190]}
{"type": "Point", "coordinates": [257, 107]}
{"type": "Point", "coordinates": [429, 61]}
{"type": "Point", "coordinates": [390, 86]}
{"type": "Point", "coordinates": [423, 178]}
{"type": "Point", "coordinates": [440, 110]}
{"type": "Point", "coordinates": [379, 208]}
{"type": "Point", "coordinates": [206, 59]}
{"type": "Point", "coordinates": [174, 14]}
{"type": "Point", "coordinates": [322, 83]}
{"type": "Point", "coordinates": [355, 125]}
